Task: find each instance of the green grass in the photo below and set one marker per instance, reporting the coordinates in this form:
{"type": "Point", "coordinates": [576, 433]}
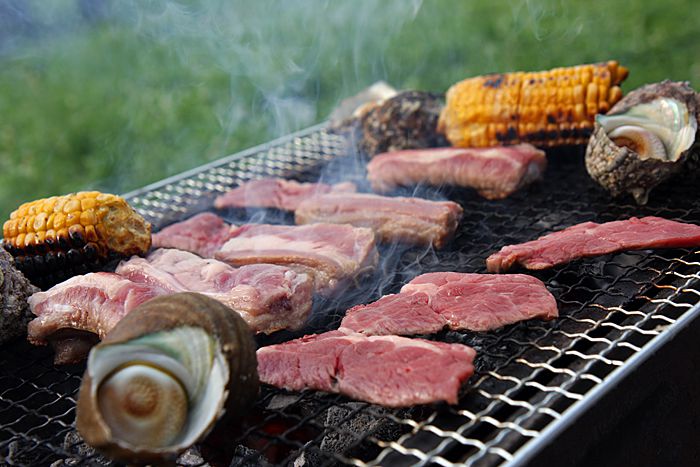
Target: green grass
{"type": "Point", "coordinates": [160, 87]}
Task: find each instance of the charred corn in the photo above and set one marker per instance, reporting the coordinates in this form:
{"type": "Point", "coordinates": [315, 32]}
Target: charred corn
{"type": "Point", "coordinates": [55, 238]}
{"type": "Point", "coordinates": [546, 108]}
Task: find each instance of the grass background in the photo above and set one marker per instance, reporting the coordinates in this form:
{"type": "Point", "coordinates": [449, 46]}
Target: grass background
{"type": "Point", "coordinates": [108, 95]}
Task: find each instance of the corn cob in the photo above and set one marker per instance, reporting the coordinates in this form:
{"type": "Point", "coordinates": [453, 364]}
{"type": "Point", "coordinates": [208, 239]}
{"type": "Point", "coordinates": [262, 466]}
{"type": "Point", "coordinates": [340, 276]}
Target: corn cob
{"type": "Point", "coordinates": [55, 238]}
{"type": "Point", "coordinates": [546, 108]}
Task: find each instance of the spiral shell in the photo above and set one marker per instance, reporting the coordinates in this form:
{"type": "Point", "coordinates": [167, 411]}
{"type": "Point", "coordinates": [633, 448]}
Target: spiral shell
{"type": "Point", "coordinates": [164, 375]}
{"type": "Point", "coordinates": [645, 139]}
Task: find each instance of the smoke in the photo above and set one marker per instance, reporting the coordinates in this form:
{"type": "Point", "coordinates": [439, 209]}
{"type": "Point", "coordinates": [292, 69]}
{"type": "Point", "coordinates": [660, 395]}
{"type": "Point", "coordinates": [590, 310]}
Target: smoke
{"type": "Point", "coordinates": [280, 53]}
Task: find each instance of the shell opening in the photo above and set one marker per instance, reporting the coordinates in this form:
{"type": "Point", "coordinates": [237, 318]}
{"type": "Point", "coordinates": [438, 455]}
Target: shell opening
{"type": "Point", "coordinates": [665, 119]}
{"type": "Point", "coordinates": [143, 405]}
{"type": "Point", "coordinates": [181, 370]}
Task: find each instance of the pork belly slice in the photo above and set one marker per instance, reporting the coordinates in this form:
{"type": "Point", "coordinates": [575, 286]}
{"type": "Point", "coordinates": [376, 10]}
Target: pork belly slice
{"type": "Point", "coordinates": [276, 193]}
{"type": "Point", "coordinates": [458, 301]}
{"type": "Point", "coordinates": [394, 219]}
{"type": "Point", "coordinates": [387, 370]}
{"type": "Point", "coordinates": [592, 239]}
{"type": "Point", "coordinates": [267, 296]}
{"type": "Point", "coordinates": [202, 234]}
{"type": "Point", "coordinates": [330, 253]}
{"type": "Point", "coordinates": [494, 173]}
{"type": "Point", "coordinates": [93, 303]}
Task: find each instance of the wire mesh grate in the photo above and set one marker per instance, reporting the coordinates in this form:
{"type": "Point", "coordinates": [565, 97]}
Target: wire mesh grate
{"type": "Point", "coordinates": [527, 374]}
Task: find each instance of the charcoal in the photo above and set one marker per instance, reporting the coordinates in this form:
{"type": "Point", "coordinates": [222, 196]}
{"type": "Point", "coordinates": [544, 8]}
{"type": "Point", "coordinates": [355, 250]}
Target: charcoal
{"type": "Point", "coordinates": [74, 445]}
{"type": "Point", "coordinates": [247, 457]}
{"type": "Point", "coordinates": [191, 458]}
{"type": "Point", "coordinates": [356, 425]}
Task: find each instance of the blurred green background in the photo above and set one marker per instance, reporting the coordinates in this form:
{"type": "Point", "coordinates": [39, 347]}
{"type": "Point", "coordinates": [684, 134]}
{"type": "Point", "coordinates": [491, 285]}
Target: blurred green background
{"type": "Point", "coordinates": [113, 95]}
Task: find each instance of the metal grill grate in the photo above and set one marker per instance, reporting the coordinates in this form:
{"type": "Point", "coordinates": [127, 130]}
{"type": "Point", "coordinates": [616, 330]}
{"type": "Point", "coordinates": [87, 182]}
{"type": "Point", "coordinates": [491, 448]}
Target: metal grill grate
{"type": "Point", "coordinates": [530, 376]}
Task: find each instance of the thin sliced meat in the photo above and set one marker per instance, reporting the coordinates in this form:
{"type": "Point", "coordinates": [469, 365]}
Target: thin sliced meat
{"type": "Point", "coordinates": [93, 303]}
{"type": "Point", "coordinates": [276, 193]}
{"type": "Point", "coordinates": [267, 296]}
{"type": "Point", "coordinates": [495, 173]}
{"type": "Point", "coordinates": [592, 239]}
{"type": "Point", "coordinates": [331, 253]}
{"type": "Point", "coordinates": [394, 219]}
{"type": "Point", "coordinates": [458, 301]}
{"type": "Point", "coordinates": [387, 370]}
{"type": "Point", "coordinates": [202, 234]}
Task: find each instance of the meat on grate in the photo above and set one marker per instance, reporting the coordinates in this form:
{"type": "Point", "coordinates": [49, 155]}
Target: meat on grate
{"type": "Point", "coordinates": [495, 173]}
{"type": "Point", "coordinates": [202, 234]}
{"type": "Point", "coordinates": [394, 219]}
{"type": "Point", "coordinates": [458, 301]}
{"type": "Point", "coordinates": [268, 297]}
{"type": "Point", "coordinates": [387, 370]}
{"type": "Point", "coordinates": [332, 254]}
{"type": "Point", "coordinates": [276, 193]}
{"type": "Point", "coordinates": [95, 303]}
{"type": "Point", "coordinates": [592, 239]}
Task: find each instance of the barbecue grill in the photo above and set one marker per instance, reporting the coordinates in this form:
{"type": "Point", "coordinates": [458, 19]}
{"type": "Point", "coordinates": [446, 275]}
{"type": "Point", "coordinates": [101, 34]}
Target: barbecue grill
{"type": "Point", "coordinates": [617, 367]}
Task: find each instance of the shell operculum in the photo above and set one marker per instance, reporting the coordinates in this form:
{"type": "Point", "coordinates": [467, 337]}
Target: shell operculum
{"type": "Point", "coordinates": [159, 392]}
{"type": "Point", "coordinates": [664, 120]}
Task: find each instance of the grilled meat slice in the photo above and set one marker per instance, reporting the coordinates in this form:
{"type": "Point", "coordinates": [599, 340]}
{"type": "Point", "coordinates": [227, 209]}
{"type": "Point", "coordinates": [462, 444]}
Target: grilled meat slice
{"type": "Point", "coordinates": [592, 239]}
{"type": "Point", "coordinates": [393, 219]}
{"type": "Point", "coordinates": [494, 173]}
{"type": "Point", "coordinates": [276, 193]}
{"type": "Point", "coordinates": [458, 301]}
{"type": "Point", "coordinates": [387, 370]}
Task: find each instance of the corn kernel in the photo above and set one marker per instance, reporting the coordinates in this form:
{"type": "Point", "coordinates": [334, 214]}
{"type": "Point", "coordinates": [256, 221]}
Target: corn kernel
{"type": "Point", "coordinates": [39, 224]}
{"type": "Point", "coordinates": [71, 205]}
{"type": "Point", "coordinates": [59, 220]}
{"type": "Point", "coordinates": [72, 218]}
{"type": "Point", "coordinates": [91, 234]}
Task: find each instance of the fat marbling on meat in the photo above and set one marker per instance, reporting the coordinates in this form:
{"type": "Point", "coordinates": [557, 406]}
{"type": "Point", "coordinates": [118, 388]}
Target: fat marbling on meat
{"type": "Point", "coordinates": [394, 219]}
{"type": "Point", "coordinates": [387, 370]}
{"type": "Point", "coordinates": [458, 301]}
{"type": "Point", "coordinates": [592, 239]}
{"type": "Point", "coordinates": [276, 193]}
{"type": "Point", "coordinates": [332, 254]}
{"type": "Point", "coordinates": [91, 303]}
{"type": "Point", "coordinates": [267, 296]}
{"type": "Point", "coordinates": [201, 234]}
{"type": "Point", "coordinates": [495, 173]}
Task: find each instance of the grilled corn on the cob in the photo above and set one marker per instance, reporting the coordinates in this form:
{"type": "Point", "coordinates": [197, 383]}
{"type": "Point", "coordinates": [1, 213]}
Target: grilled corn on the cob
{"type": "Point", "coordinates": [546, 108]}
{"type": "Point", "coordinates": [55, 238]}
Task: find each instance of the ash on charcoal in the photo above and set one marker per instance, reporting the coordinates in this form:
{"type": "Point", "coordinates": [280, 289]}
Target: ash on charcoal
{"type": "Point", "coordinates": [247, 457]}
{"type": "Point", "coordinates": [281, 401]}
{"type": "Point", "coordinates": [74, 445]}
{"type": "Point", "coordinates": [348, 427]}
{"type": "Point", "coordinates": [192, 458]}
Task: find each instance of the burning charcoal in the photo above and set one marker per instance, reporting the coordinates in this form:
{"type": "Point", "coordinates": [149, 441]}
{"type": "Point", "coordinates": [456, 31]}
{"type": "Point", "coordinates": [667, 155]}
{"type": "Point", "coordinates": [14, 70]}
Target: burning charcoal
{"type": "Point", "coordinates": [405, 121]}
